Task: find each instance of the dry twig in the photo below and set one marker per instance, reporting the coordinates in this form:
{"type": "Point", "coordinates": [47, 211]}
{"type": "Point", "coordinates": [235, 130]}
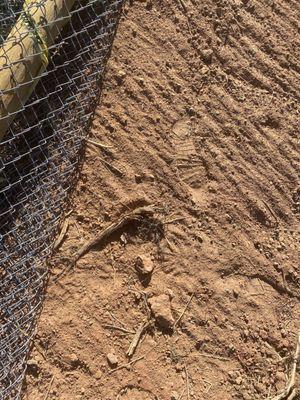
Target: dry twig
{"type": "Point", "coordinates": [181, 394]}
{"type": "Point", "coordinates": [136, 338]}
{"type": "Point", "coordinates": [62, 235]}
{"type": "Point", "coordinates": [126, 365]}
{"type": "Point", "coordinates": [113, 168]}
{"type": "Point", "coordinates": [108, 150]}
{"type": "Point", "coordinates": [183, 5]}
{"type": "Point", "coordinates": [183, 312]}
{"type": "Point", "coordinates": [136, 215]}
{"type": "Point", "coordinates": [113, 317]}
{"type": "Point", "coordinates": [131, 362]}
{"type": "Point", "coordinates": [175, 219]}
{"type": "Point", "coordinates": [49, 388]}
{"type": "Point", "coordinates": [39, 349]}
{"type": "Point", "coordinates": [208, 355]}
{"type": "Point", "coordinates": [187, 383]}
{"type": "Point", "coordinates": [290, 392]}
{"type": "Point", "coordinates": [118, 328]}
{"type": "Point", "coordinates": [146, 305]}
{"type": "Point", "coordinates": [271, 212]}
{"type": "Point", "coordinates": [98, 144]}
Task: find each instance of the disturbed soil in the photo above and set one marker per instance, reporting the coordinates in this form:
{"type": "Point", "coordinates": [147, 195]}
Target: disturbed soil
{"type": "Point", "coordinates": [199, 120]}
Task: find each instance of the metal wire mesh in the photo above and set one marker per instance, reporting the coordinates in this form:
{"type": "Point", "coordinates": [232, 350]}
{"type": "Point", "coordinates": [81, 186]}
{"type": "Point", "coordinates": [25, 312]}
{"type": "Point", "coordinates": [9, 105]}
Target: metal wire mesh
{"type": "Point", "coordinates": [38, 161]}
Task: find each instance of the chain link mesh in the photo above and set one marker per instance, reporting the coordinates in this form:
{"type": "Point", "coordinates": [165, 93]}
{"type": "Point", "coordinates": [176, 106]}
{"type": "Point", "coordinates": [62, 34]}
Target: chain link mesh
{"type": "Point", "coordinates": [39, 156]}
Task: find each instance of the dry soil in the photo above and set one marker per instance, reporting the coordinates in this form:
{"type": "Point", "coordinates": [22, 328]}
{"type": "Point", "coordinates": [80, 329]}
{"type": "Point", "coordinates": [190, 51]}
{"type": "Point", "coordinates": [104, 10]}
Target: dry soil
{"type": "Point", "coordinates": [199, 117]}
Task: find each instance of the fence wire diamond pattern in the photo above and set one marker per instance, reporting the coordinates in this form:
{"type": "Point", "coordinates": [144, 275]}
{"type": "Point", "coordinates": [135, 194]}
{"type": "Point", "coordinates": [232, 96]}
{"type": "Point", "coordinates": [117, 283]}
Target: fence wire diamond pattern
{"type": "Point", "coordinates": [39, 156]}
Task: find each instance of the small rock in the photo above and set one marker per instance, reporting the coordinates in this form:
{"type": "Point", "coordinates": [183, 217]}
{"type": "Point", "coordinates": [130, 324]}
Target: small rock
{"type": "Point", "coordinates": [71, 359]}
{"type": "Point", "coordinates": [112, 359]}
{"type": "Point", "coordinates": [123, 239]}
{"type": "Point", "coordinates": [144, 265]}
{"type": "Point", "coordinates": [191, 111]}
{"type": "Point", "coordinates": [207, 56]}
{"type": "Point", "coordinates": [137, 297]}
{"type": "Point", "coordinates": [151, 177]}
{"type": "Point", "coordinates": [138, 178]}
{"type": "Point", "coordinates": [160, 306]}
{"type": "Point", "coordinates": [121, 75]}
{"type": "Point", "coordinates": [273, 339]}
{"type": "Point", "coordinates": [239, 380]}
{"type": "Point", "coordinates": [277, 266]}
{"type": "Point", "coordinates": [32, 361]}
{"type": "Point", "coordinates": [98, 375]}
{"type": "Point", "coordinates": [178, 367]}
{"type": "Point", "coordinates": [228, 218]}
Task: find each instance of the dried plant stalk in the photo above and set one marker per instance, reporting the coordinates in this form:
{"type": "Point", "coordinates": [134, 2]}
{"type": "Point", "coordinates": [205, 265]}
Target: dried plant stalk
{"type": "Point", "coordinates": [24, 54]}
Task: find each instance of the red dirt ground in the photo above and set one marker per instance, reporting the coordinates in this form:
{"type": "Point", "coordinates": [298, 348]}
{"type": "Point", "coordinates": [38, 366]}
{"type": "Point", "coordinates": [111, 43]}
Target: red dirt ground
{"type": "Point", "coordinates": [200, 115]}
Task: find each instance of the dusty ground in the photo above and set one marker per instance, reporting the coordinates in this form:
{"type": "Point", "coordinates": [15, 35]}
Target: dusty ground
{"type": "Point", "coordinates": [199, 113]}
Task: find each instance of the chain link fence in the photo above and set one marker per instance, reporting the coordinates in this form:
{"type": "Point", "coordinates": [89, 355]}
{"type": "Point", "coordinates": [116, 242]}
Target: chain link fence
{"type": "Point", "coordinates": [39, 156]}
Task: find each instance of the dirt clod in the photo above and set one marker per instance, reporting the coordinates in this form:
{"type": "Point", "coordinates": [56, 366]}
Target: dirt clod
{"type": "Point", "coordinates": [112, 360]}
{"type": "Point", "coordinates": [70, 359]}
{"type": "Point", "coordinates": [161, 309]}
{"type": "Point", "coordinates": [144, 265]}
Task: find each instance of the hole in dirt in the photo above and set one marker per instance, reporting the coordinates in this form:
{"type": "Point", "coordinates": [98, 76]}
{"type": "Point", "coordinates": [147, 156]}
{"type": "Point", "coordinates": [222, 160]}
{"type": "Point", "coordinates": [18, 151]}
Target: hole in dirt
{"type": "Point", "coordinates": [259, 215]}
{"type": "Point", "coordinates": [144, 230]}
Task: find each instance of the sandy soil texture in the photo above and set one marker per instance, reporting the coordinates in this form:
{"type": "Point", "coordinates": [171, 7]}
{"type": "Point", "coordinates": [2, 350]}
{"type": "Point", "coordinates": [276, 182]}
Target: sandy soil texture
{"type": "Point", "coordinates": [199, 119]}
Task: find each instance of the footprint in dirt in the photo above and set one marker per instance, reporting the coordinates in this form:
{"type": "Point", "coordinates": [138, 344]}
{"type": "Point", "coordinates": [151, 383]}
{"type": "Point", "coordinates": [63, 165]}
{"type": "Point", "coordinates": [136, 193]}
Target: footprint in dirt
{"type": "Point", "coordinates": [189, 162]}
{"type": "Point", "coordinates": [183, 139]}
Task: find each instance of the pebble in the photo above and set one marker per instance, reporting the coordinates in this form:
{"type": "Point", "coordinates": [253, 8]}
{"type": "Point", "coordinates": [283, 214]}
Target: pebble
{"type": "Point", "coordinates": [207, 55]}
{"type": "Point", "coordinates": [32, 363]}
{"type": "Point", "coordinates": [112, 359]}
{"type": "Point", "coordinates": [178, 367]}
{"type": "Point", "coordinates": [160, 306]}
{"type": "Point", "coordinates": [73, 359]}
{"type": "Point", "coordinates": [123, 239]}
{"type": "Point", "coordinates": [121, 75]}
{"type": "Point", "coordinates": [239, 380]}
{"type": "Point", "coordinates": [138, 178]}
{"type": "Point", "coordinates": [144, 265]}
